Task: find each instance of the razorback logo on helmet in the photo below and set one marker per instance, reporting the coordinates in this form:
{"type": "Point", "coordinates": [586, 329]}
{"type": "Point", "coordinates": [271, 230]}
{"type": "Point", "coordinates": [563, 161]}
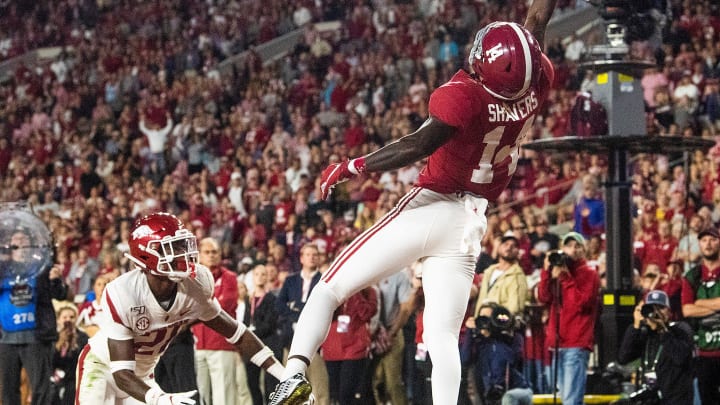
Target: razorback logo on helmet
{"type": "Point", "coordinates": [142, 231]}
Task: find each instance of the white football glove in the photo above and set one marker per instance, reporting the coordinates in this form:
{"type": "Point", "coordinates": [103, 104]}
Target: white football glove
{"type": "Point", "coordinates": [155, 396]}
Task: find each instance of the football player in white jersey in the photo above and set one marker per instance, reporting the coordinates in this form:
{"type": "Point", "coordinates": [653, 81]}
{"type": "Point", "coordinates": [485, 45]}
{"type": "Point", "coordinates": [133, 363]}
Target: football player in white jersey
{"type": "Point", "coordinates": [146, 308]}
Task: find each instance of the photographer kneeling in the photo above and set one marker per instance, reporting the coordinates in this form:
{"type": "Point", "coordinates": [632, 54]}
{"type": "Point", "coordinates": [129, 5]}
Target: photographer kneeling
{"type": "Point", "coordinates": [498, 352]}
{"type": "Point", "coordinates": [665, 350]}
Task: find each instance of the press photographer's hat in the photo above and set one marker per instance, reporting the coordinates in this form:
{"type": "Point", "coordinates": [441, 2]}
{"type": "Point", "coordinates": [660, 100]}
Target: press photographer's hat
{"type": "Point", "coordinates": [573, 236]}
{"type": "Point", "coordinates": [657, 297]}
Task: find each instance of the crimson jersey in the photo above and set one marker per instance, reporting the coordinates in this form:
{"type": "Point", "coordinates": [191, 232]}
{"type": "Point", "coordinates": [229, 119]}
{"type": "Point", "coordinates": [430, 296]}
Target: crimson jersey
{"type": "Point", "coordinates": [483, 154]}
{"type": "Point", "coordinates": [132, 312]}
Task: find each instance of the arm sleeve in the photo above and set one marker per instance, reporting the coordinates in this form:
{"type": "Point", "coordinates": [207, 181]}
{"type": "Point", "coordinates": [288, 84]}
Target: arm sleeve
{"type": "Point", "coordinates": [581, 290]}
{"type": "Point", "coordinates": [58, 289]}
{"type": "Point", "coordinates": [227, 295]}
{"type": "Point", "coordinates": [544, 294]}
{"type": "Point", "coordinates": [687, 294]}
{"type": "Point", "coordinates": [631, 346]}
{"type": "Point", "coordinates": [678, 344]}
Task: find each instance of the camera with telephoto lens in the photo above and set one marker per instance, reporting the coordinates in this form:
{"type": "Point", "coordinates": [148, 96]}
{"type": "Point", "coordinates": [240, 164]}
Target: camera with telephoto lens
{"type": "Point", "coordinates": [500, 323]}
{"type": "Point", "coordinates": [558, 258]}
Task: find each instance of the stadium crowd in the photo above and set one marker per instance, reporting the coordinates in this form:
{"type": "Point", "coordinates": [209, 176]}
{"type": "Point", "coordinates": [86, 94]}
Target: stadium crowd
{"type": "Point", "coordinates": [135, 117]}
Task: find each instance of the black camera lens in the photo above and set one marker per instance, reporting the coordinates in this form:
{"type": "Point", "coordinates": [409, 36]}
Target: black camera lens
{"type": "Point", "coordinates": [482, 322]}
{"type": "Point", "coordinates": [650, 311]}
{"type": "Point", "coordinates": [558, 258]}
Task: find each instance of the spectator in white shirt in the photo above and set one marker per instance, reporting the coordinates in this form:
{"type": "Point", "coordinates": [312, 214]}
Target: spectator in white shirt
{"type": "Point", "coordinates": [157, 137]}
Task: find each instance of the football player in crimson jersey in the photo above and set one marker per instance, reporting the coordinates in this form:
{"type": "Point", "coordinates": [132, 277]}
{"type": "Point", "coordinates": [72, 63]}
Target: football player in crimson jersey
{"type": "Point", "coordinates": [146, 308]}
{"type": "Point", "coordinates": [477, 123]}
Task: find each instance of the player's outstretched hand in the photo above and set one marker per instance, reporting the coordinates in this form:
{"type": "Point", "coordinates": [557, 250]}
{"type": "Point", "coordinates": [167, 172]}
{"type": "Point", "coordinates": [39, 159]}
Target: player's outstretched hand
{"type": "Point", "coordinates": [334, 174]}
{"type": "Point", "coordinates": [155, 396]}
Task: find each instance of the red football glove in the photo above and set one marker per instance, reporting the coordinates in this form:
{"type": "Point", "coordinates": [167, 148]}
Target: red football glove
{"type": "Point", "coordinates": [337, 173]}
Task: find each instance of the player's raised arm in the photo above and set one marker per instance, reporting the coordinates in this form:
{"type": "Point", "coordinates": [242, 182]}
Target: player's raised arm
{"type": "Point", "coordinates": [432, 134]}
{"type": "Point", "coordinates": [537, 19]}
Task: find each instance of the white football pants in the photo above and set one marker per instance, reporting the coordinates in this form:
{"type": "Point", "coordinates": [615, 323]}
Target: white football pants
{"type": "Point", "coordinates": [424, 225]}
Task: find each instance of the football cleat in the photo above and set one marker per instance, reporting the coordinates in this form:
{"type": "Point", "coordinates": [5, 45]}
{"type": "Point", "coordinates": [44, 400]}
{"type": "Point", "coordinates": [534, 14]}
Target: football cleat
{"type": "Point", "coordinates": [294, 391]}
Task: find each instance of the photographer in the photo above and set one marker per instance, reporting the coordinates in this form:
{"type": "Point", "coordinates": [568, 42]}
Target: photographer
{"type": "Point", "coordinates": [665, 350]}
{"type": "Point", "coordinates": [570, 287]}
{"type": "Point", "coordinates": [498, 352]}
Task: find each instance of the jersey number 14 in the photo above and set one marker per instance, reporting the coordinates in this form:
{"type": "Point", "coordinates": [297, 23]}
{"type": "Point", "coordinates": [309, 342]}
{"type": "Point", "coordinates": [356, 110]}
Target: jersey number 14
{"type": "Point", "coordinates": [492, 157]}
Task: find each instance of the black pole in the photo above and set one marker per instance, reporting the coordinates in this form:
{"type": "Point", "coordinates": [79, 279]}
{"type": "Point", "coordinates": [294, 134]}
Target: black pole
{"type": "Point", "coordinates": [617, 300]}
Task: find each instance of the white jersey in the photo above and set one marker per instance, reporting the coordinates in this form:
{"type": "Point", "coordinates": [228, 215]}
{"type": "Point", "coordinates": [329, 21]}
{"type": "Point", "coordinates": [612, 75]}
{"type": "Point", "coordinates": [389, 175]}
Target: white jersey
{"type": "Point", "coordinates": [132, 312]}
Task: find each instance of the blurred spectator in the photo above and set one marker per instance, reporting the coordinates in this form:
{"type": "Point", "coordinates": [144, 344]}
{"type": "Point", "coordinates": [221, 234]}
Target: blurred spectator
{"type": "Point", "coordinates": [68, 346]}
{"type": "Point", "coordinates": [396, 295]}
{"type": "Point", "coordinates": [214, 356]}
{"type": "Point", "coordinates": [688, 249]}
{"type": "Point", "coordinates": [265, 322]}
{"type": "Point", "coordinates": [83, 271]}
{"type": "Point", "coordinates": [90, 311]}
{"type": "Point", "coordinates": [504, 283]}
{"type": "Point", "coordinates": [542, 241]}
{"type": "Point", "coordinates": [290, 301]}
{"type": "Point", "coordinates": [590, 209]}
{"type": "Point", "coordinates": [242, 314]}
{"type": "Point", "coordinates": [347, 348]}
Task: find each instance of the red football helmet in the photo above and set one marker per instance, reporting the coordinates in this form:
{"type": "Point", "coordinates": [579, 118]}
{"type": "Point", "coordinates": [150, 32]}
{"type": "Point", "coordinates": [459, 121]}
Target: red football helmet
{"type": "Point", "coordinates": [160, 244]}
{"type": "Point", "coordinates": [506, 59]}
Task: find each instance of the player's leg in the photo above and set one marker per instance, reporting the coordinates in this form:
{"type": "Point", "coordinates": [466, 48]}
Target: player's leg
{"type": "Point", "coordinates": [392, 243]}
{"type": "Point", "coordinates": [446, 284]}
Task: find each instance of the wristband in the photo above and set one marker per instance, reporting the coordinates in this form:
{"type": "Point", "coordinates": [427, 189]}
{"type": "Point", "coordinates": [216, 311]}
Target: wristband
{"type": "Point", "coordinates": [238, 333]}
{"type": "Point", "coordinates": [122, 365]}
{"type": "Point", "coordinates": [260, 356]}
{"type": "Point", "coordinates": [357, 166]}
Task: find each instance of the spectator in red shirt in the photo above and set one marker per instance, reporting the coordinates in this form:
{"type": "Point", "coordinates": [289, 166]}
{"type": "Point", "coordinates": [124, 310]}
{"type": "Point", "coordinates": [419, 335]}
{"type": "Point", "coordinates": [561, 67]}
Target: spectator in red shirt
{"type": "Point", "coordinates": [346, 349]}
{"type": "Point", "coordinates": [571, 290]}
{"type": "Point", "coordinates": [354, 135]}
{"type": "Point", "coordinates": [660, 250]}
{"type": "Point", "coordinates": [214, 356]}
